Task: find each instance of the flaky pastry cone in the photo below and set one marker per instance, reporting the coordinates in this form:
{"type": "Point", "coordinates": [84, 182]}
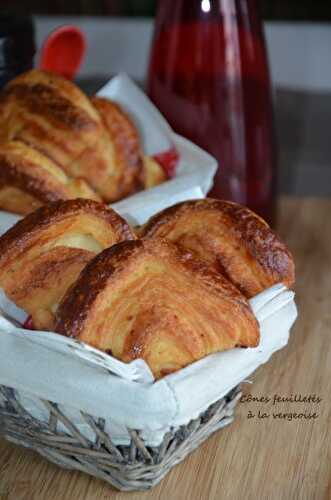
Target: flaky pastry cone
{"type": "Point", "coordinates": [125, 160]}
{"type": "Point", "coordinates": [131, 170]}
{"type": "Point", "coordinates": [28, 180]}
{"type": "Point", "coordinates": [149, 300]}
{"type": "Point", "coordinates": [42, 255]}
{"type": "Point", "coordinates": [93, 139]}
{"type": "Point", "coordinates": [236, 241]}
{"type": "Point", "coordinates": [52, 115]}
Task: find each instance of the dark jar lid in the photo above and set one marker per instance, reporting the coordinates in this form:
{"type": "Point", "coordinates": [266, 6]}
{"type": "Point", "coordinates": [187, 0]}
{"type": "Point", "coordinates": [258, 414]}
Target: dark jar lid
{"type": "Point", "coordinates": [17, 40]}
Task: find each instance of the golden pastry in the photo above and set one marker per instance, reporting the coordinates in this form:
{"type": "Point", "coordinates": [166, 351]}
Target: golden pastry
{"type": "Point", "coordinates": [132, 171]}
{"type": "Point", "coordinates": [53, 116]}
{"type": "Point", "coordinates": [42, 255]}
{"type": "Point", "coordinates": [125, 160]}
{"type": "Point", "coordinates": [93, 139]}
{"type": "Point", "coordinates": [149, 300]}
{"type": "Point", "coordinates": [28, 180]}
{"type": "Point", "coordinates": [236, 241]}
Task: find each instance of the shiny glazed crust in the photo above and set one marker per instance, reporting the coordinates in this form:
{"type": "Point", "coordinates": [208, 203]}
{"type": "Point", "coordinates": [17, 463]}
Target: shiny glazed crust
{"type": "Point", "coordinates": [40, 108]}
{"type": "Point", "coordinates": [233, 239]}
{"type": "Point", "coordinates": [90, 139]}
{"type": "Point", "coordinates": [42, 255]}
{"type": "Point", "coordinates": [148, 299]}
{"type": "Point", "coordinates": [28, 179]}
{"type": "Point", "coordinates": [53, 116]}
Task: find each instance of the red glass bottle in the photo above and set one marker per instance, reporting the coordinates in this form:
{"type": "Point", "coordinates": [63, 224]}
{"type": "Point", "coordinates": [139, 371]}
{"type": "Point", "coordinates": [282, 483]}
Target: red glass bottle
{"type": "Point", "coordinates": [208, 75]}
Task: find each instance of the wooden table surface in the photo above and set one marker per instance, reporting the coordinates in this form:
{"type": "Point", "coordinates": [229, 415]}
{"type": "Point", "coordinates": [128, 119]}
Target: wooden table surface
{"type": "Point", "coordinates": [254, 458]}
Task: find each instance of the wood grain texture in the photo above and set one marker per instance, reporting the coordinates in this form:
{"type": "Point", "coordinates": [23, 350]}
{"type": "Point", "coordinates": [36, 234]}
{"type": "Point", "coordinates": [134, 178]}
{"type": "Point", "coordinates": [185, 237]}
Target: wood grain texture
{"type": "Point", "coordinates": [251, 459]}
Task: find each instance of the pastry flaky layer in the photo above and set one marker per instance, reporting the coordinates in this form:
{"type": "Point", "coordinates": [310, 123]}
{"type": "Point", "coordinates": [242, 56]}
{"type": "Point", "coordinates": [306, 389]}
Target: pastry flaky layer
{"type": "Point", "coordinates": [28, 179]}
{"type": "Point", "coordinates": [90, 139]}
{"type": "Point", "coordinates": [150, 300]}
{"type": "Point", "coordinates": [125, 157]}
{"type": "Point", "coordinates": [43, 254]}
{"type": "Point", "coordinates": [231, 238]}
{"type": "Point", "coordinates": [52, 115]}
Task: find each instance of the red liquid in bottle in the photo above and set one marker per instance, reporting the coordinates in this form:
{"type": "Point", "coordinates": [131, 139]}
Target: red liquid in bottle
{"type": "Point", "coordinates": [209, 76]}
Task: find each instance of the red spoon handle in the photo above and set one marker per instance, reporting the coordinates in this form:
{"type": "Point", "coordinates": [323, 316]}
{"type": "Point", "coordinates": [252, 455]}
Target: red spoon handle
{"type": "Point", "coordinates": [63, 51]}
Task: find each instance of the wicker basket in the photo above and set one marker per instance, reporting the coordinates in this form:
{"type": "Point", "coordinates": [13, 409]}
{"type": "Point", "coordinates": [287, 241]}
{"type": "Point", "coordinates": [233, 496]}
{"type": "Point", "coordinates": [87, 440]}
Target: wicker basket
{"type": "Point", "coordinates": [128, 468]}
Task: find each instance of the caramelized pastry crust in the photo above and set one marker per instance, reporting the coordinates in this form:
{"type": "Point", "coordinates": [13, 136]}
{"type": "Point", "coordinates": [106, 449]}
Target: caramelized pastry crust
{"type": "Point", "coordinates": [90, 139]}
{"type": "Point", "coordinates": [132, 171]}
{"type": "Point", "coordinates": [28, 179]}
{"type": "Point", "coordinates": [233, 239]}
{"type": "Point", "coordinates": [42, 255]}
{"type": "Point", "coordinates": [40, 109]}
{"type": "Point", "coordinates": [125, 163]}
{"type": "Point", "coordinates": [148, 299]}
{"type": "Point", "coordinates": [53, 116]}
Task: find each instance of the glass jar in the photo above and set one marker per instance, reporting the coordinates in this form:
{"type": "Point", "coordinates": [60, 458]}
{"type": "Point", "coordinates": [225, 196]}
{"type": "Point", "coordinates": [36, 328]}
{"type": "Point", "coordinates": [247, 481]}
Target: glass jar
{"type": "Point", "coordinates": [208, 75]}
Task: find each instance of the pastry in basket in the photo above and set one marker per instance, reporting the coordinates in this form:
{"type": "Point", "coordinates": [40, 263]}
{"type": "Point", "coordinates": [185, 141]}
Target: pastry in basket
{"type": "Point", "coordinates": [90, 139]}
{"type": "Point", "coordinates": [42, 255]}
{"type": "Point", "coordinates": [236, 241]}
{"type": "Point", "coordinates": [130, 167]}
{"type": "Point", "coordinates": [150, 300]}
{"type": "Point", "coordinates": [131, 170]}
{"type": "Point", "coordinates": [52, 115]}
{"type": "Point", "coordinates": [28, 180]}
{"type": "Point", "coordinates": [125, 159]}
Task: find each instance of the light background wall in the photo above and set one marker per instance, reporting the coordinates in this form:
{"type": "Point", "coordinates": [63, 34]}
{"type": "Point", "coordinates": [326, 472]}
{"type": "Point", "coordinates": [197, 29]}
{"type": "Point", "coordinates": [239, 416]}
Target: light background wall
{"type": "Point", "coordinates": [299, 53]}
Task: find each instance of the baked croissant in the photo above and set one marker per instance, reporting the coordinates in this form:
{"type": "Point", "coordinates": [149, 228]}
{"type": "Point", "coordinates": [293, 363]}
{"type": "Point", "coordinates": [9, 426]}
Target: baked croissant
{"type": "Point", "coordinates": [236, 241]}
{"type": "Point", "coordinates": [42, 255]}
{"type": "Point", "coordinates": [52, 115]}
{"type": "Point", "coordinates": [90, 139]}
{"type": "Point", "coordinates": [125, 161]}
{"type": "Point", "coordinates": [28, 180]}
{"type": "Point", "coordinates": [132, 171]}
{"type": "Point", "coordinates": [148, 299]}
